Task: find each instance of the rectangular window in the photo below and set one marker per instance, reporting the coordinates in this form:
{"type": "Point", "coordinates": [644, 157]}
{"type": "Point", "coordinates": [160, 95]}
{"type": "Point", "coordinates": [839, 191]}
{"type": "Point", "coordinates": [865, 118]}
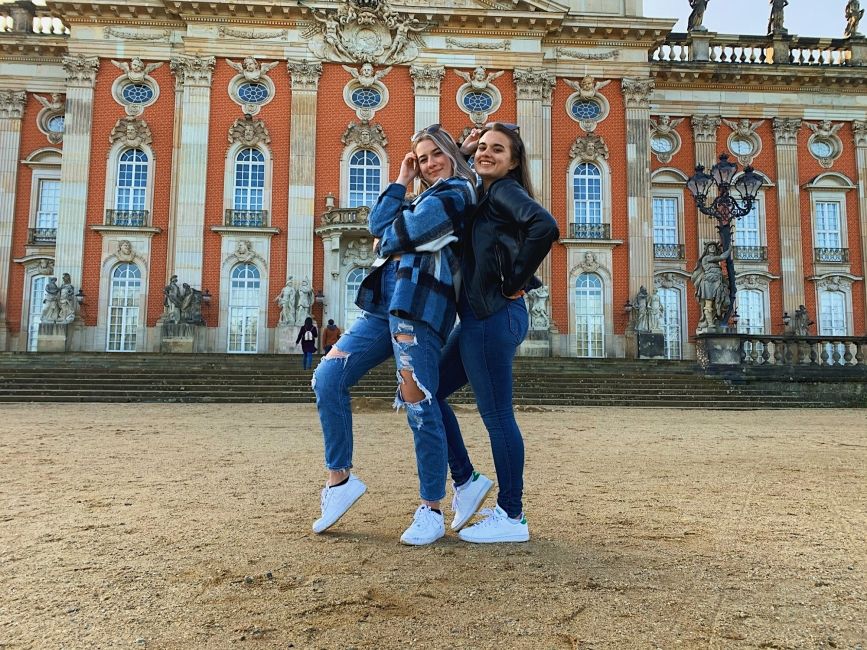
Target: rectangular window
{"type": "Point", "coordinates": [49, 204]}
{"type": "Point", "coordinates": [665, 220]}
{"type": "Point", "coordinates": [828, 228]}
{"type": "Point", "coordinates": [747, 228]}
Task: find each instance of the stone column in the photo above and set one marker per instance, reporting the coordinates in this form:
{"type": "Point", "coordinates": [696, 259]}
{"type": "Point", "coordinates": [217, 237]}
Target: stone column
{"type": "Point", "coordinates": [426, 85]}
{"type": "Point", "coordinates": [704, 129]}
{"type": "Point", "coordinates": [193, 80]}
{"type": "Point", "coordinates": [860, 130]}
{"type": "Point", "coordinates": [11, 110]}
{"type": "Point", "coordinates": [789, 212]}
{"type": "Point", "coordinates": [302, 169]}
{"type": "Point", "coordinates": [532, 86]}
{"type": "Point", "coordinates": [75, 168]}
{"type": "Point", "coordinates": [637, 94]}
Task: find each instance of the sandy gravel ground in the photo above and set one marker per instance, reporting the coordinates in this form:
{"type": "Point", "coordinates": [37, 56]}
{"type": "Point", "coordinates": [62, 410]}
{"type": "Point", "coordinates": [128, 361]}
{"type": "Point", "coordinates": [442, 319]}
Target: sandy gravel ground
{"type": "Point", "coordinates": [188, 526]}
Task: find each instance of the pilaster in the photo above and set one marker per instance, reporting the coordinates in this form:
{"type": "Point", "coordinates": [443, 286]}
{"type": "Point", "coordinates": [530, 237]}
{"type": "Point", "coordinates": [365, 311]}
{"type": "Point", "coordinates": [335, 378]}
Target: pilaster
{"type": "Point", "coordinates": [75, 168]}
{"type": "Point", "coordinates": [193, 81]}
{"type": "Point", "coordinates": [11, 111]}
{"type": "Point", "coordinates": [704, 129]}
{"type": "Point", "coordinates": [789, 210]}
{"type": "Point", "coordinates": [860, 131]}
{"type": "Point", "coordinates": [302, 169]}
{"type": "Point", "coordinates": [637, 94]}
{"type": "Point", "coordinates": [426, 81]}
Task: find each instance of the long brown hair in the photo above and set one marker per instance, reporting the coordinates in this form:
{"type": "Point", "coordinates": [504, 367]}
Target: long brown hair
{"type": "Point", "coordinates": [521, 172]}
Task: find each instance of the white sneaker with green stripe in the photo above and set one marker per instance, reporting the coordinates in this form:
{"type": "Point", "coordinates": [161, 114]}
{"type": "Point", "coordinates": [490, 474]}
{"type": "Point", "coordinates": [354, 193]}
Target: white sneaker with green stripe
{"type": "Point", "coordinates": [495, 528]}
{"type": "Point", "coordinates": [468, 498]}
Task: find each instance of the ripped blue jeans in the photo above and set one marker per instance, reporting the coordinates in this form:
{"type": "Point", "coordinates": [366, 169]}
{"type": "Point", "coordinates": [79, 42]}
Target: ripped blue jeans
{"type": "Point", "coordinates": [370, 341]}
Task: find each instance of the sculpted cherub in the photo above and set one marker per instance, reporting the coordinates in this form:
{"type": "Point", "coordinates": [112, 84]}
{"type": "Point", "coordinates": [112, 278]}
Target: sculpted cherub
{"type": "Point", "coordinates": [366, 77]}
{"type": "Point", "coordinates": [251, 68]}
{"type": "Point", "coordinates": [825, 128]}
{"type": "Point", "coordinates": [480, 78]}
{"type": "Point", "coordinates": [588, 87]}
{"type": "Point", "coordinates": [665, 124]}
{"type": "Point", "coordinates": [55, 104]}
{"type": "Point", "coordinates": [136, 70]}
{"type": "Point", "coordinates": [744, 128]}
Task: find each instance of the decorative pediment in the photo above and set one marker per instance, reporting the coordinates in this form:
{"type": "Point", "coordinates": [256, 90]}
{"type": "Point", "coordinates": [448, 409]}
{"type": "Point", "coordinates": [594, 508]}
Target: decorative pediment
{"type": "Point", "coordinates": [590, 147]}
{"type": "Point", "coordinates": [249, 132]}
{"type": "Point", "coordinates": [132, 132]}
{"type": "Point", "coordinates": [364, 135]}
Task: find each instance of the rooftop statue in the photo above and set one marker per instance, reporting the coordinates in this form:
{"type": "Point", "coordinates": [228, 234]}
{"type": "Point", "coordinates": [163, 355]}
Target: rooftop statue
{"type": "Point", "coordinates": [775, 22]}
{"type": "Point", "coordinates": [854, 13]}
{"type": "Point", "coordinates": [696, 16]}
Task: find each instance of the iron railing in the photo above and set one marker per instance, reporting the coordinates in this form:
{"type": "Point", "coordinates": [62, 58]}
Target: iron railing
{"type": "Point", "coordinates": [750, 253]}
{"type": "Point", "coordinates": [246, 218]}
{"type": "Point", "coordinates": [127, 218]}
{"type": "Point", "coordinates": [668, 251]}
{"type": "Point", "coordinates": [832, 255]}
{"type": "Point", "coordinates": [37, 236]}
{"type": "Point", "coordinates": [590, 230]}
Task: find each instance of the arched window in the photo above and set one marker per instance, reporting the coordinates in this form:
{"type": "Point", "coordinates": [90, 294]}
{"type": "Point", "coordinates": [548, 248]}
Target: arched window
{"type": "Point", "coordinates": [751, 311]}
{"type": "Point", "coordinates": [353, 281]}
{"type": "Point", "coordinates": [832, 313]}
{"type": "Point", "coordinates": [672, 322]}
{"type": "Point", "coordinates": [590, 315]}
{"type": "Point", "coordinates": [244, 309]}
{"type": "Point", "coordinates": [587, 193]}
{"type": "Point", "coordinates": [365, 178]}
{"type": "Point", "coordinates": [123, 308]}
{"type": "Point", "coordinates": [249, 180]}
{"type": "Point", "coordinates": [37, 291]}
{"type": "Point", "coordinates": [132, 181]}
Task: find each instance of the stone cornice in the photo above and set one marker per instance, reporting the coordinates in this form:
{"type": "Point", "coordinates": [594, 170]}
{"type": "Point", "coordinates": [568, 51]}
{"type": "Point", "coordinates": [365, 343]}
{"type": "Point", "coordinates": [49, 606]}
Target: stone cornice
{"type": "Point", "coordinates": [730, 77]}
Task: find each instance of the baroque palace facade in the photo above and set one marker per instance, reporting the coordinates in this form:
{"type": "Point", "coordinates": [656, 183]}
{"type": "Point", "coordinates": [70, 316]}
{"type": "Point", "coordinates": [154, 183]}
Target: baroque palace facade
{"type": "Point", "coordinates": [237, 145]}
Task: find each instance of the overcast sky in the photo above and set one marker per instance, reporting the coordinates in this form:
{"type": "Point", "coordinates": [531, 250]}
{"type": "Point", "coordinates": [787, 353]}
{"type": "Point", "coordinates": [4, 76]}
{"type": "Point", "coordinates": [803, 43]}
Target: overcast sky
{"type": "Point", "coordinates": [803, 17]}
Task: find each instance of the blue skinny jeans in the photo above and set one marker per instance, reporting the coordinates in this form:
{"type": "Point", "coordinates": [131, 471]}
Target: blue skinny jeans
{"type": "Point", "coordinates": [481, 352]}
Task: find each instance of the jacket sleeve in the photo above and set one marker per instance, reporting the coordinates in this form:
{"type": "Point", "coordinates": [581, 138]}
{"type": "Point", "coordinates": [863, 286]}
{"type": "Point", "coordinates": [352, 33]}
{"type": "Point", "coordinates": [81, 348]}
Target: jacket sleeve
{"type": "Point", "coordinates": [423, 226]}
{"type": "Point", "coordinates": [538, 226]}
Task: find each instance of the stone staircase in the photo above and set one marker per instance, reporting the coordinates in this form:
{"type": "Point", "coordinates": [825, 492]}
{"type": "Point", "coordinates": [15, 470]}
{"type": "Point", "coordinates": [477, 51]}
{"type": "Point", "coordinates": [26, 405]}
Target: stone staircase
{"type": "Point", "coordinates": [104, 377]}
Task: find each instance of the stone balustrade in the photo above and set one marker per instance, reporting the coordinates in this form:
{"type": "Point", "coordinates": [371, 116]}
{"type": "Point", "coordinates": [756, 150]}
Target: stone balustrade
{"type": "Point", "coordinates": [43, 25]}
{"type": "Point", "coordinates": [348, 216]}
{"type": "Point", "coordinates": [823, 351]}
{"type": "Point", "coordinates": [752, 50]}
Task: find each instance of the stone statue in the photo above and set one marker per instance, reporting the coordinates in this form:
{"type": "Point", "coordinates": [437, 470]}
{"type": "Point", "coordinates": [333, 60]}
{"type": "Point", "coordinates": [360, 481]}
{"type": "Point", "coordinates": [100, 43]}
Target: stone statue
{"type": "Point", "coordinates": [479, 79]}
{"type": "Point", "coordinates": [539, 319]}
{"type": "Point", "coordinates": [136, 70]}
{"type": "Point", "coordinates": [331, 32]}
{"type": "Point", "coordinates": [854, 13]}
{"type": "Point", "coordinates": [655, 312]}
{"type": "Point", "coordinates": [66, 303]}
{"type": "Point", "coordinates": [366, 76]}
{"type": "Point", "coordinates": [172, 301]}
{"type": "Point", "coordinates": [664, 124]}
{"type": "Point", "coordinates": [801, 322]}
{"type": "Point", "coordinates": [51, 302]}
{"type": "Point", "coordinates": [54, 104]}
{"type": "Point", "coordinates": [775, 22]}
{"type": "Point", "coordinates": [588, 87]}
{"type": "Point", "coordinates": [641, 310]}
{"type": "Point", "coordinates": [710, 287]}
{"type": "Point", "coordinates": [191, 305]}
{"type": "Point", "coordinates": [696, 16]}
{"type": "Point", "coordinates": [251, 68]}
{"type": "Point", "coordinates": [305, 302]}
{"type": "Point", "coordinates": [401, 40]}
{"type": "Point", "coordinates": [287, 299]}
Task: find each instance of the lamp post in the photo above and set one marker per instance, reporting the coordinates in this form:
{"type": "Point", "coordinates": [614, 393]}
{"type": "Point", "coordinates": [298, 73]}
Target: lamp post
{"type": "Point", "coordinates": [725, 206]}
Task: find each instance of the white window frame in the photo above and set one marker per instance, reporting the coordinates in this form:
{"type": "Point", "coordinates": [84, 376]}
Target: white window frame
{"type": "Point", "coordinates": [46, 167]}
{"type": "Point", "coordinates": [350, 311]}
{"type": "Point", "coordinates": [34, 310]}
{"type": "Point", "coordinates": [111, 178]}
{"type": "Point", "coordinates": [673, 348]}
{"type": "Point", "coordinates": [822, 235]}
{"type": "Point", "coordinates": [253, 190]}
{"type": "Point", "coordinates": [674, 228]}
{"type": "Point", "coordinates": [137, 198]}
{"type": "Point", "coordinates": [229, 178]}
{"type": "Point", "coordinates": [830, 187]}
{"type": "Point", "coordinates": [345, 173]}
{"type": "Point", "coordinates": [744, 326]}
{"type": "Point", "coordinates": [125, 310]}
{"type": "Point", "coordinates": [588, 202]}
{"type": "Point", "coordinates": [247, 307]}
{"type": "Point", "coordinates": [605, 172]}
{"type": "Point", "coordinates": [592, 344]}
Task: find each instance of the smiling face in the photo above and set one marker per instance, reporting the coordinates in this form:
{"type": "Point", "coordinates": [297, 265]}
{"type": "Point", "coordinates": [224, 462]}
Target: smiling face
{"type": "Point", "coordinates": [433, 163]}
{"type": "Point", "coordinates": [494, 157]}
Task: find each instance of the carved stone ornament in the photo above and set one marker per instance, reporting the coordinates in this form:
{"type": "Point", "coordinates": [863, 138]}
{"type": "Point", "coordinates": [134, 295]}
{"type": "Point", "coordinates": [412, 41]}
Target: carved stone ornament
{"type": "Point", "coordinates": [744, 131]}
{"type": "Point", "coordinates": [535, 84]}
{"type": "Point", "coordinates": [825, 145]}
{"type": "Point", "coordinates": [669, 281]}
{"type": "Point", "coordinates": [364, 135]}
{"type": "Point", "coordinates": [251, 69]}
{"type": "Point", "coordinates": [55, 103]}
{"type": "Point", "coordinates": [466, 44]}
{"type": "Point", "coordinates": [588, 263]}
{"type": "Point", "coordinates": [244, 250]}
{"type": "Point", "coordinates": [426, 79]}
{"type": "Point", "coordinates": [132, 132]}
{"type": "Point", "coordinates": [193, 70]}
{"type": "Point", "coordinates": [860, 131]}
{"type": "Point", "coordinates": [663, 130]}
{"type": "Point", "coordinates": [364, 31]}
{"type": "Point", "coordinates": [251, 35]}
{"type": "Point", "coordinates": [125, 252]}
{"type": "Point", "coordinates": [249, 132]}
{"type": "Point", "coordinates": [44, 266]}
{"type": "Point", "coordinates": [752, 281]}
{"type": "Point", "coordinates": [125, 35]}
{"type": "Point", "coordinates": [12, 104]}
{"type": "Point", "coordinates": [835, 283]}
{"type": "Point", "coordinates": [637, 92]}
{"type": "Point", "coordinates": [305, 75]}
{"type": "Point", "coordinates": [359, 252]}
{"type": "Point", "coordinates": [479, 78]}
{"type": "Point", "coordinates": [664, 124]}
{"type": "Point", "coordinates": [136, 70]}
{"type": "Point", "coordinates": [786, 130]}
{"type": "Point", "coordinates": [52, 107]}
{"type": "Point", "coordinates": [704, 127]}
{"type": "Point", "coordinates": [80, 70]}
{"type": "Point", "coordinates": [588, 87]}
{"type": "Point", "coordinates": [564, 52]}
{"type": "Point", "coordinates": [588, 148]}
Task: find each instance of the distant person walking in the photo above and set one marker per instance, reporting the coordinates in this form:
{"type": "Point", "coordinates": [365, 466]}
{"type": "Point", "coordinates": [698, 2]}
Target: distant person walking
{"type": "Point", "coordinates": [307, 336]}
{"type": "Point", "coordinates": [329, 336]}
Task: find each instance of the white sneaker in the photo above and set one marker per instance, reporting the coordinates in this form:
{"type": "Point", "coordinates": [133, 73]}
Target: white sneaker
{"type": "Point", "coordinates": [427, 526]}
{"type": "Point", "coordinates": [496, 527]}
{"type": "Point", "coordinates": [337, 500]}
{"type": "Point", "coordinates": [468, 498]}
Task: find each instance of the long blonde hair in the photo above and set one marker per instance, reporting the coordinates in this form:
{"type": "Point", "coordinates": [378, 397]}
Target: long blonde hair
{"type": "Point", "coordinates": [449, 147]}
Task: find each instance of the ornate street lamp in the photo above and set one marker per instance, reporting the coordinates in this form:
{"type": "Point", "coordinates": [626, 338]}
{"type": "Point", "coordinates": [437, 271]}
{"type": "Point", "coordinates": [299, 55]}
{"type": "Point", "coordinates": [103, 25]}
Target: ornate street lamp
{"type": "Point", "coordinates": [725, 206]}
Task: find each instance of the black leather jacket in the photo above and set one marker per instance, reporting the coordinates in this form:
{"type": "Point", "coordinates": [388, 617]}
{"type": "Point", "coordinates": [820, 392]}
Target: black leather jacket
{"type": "Point", "coordinates": [506, 239]}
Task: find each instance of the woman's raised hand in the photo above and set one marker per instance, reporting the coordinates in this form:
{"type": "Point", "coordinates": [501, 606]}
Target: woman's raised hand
{"type": "Point", "coordinates": [471, 142]}
{"type": "Point", "coordinates": [408, 170]}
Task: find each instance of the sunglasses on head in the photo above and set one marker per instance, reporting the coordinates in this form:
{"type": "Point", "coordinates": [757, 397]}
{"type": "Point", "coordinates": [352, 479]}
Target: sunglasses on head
{"type": "Point", "coordinates": [428, 130]}
{"type": "Point", "coordinates": [505, 125]}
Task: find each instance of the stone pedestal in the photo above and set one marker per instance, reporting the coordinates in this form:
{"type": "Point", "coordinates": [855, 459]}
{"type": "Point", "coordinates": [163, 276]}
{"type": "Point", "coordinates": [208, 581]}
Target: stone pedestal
{"type": "Point", "coordinates": [285, 336]}
{"type": "Point", "coordinates": [52, 337]}
{"type": "Point", "coordinates": [537, 344]}
{"type": "Point", "coordinates": [181, 337]}
{"type": "Point", "coordinates": [651, 345]}
{"type": "Point", "coordinates": [718, 349]}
